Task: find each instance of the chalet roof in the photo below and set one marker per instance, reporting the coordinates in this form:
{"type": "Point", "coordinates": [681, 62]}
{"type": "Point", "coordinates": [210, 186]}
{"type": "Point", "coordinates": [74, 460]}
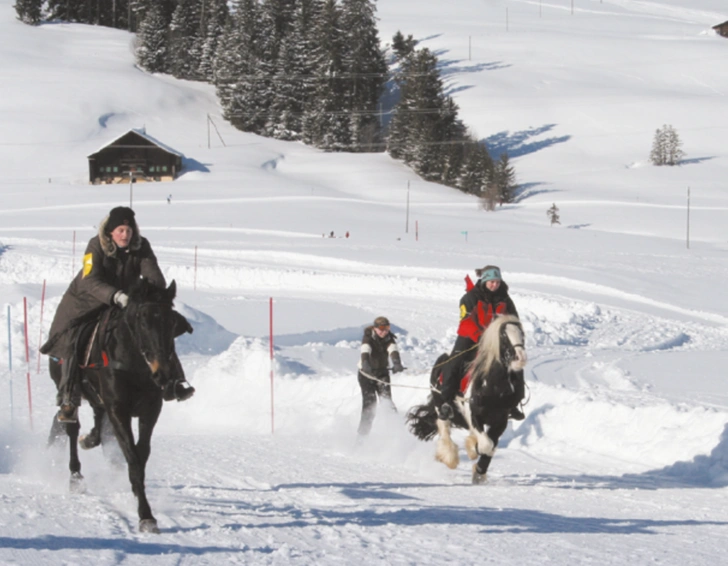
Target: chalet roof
{"type": "Point", "coordinates": [725, 23]}
{"type": "Point", "coordinates": [143, 134]}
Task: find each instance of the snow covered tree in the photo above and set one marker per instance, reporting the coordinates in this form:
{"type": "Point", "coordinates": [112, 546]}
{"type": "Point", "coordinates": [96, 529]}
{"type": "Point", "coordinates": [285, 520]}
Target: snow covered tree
{"type": "Point", "coordinates": [553, 214]}
{"type": "Point", "coordinates": [504, 178]}
{"type": "Point", "coordinates": [423, 116]}
{"type": "Point", "coordinates": [366, 72]}
{"type": "Point", "coordinates": [403, 46]}
{"type": "Point", "coordinates": [236, 68]}
{"type": "Point", "coordinates": [185, 41]}
{"type": "Point", "coordinates": [666, 147]}
{"type": "Point", "coordinates": [151, 42]}
{"type": "Point", "coordinates": [29, 11]}
{"type": "Point", "coordinates": [326, 119]}
{"type": "Point", "coordinates": [216, 15]}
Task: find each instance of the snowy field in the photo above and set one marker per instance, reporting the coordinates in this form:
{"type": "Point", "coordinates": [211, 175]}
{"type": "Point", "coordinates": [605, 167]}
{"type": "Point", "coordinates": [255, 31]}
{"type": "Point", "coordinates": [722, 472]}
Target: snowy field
{"type": "Point", "coordinates": [623, 456]}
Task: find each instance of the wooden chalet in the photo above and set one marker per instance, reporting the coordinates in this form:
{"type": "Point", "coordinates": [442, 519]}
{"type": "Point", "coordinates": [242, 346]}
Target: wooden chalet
{"type": "Point", "coordinates": [722, 29]}
{"type": "Point", "coordinates": [135, 155]}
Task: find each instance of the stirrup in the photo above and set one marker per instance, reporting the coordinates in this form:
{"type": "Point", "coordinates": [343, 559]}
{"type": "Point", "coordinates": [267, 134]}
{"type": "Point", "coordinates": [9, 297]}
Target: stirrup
{"type": "Point", "coordinates": [67, 414]}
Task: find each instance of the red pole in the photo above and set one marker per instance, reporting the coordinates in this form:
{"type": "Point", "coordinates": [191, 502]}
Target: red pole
{"type": "Point", "coordinates": [272, 406]}
{"type": "Point", "coordinates": [40, 332]}
{"type": "Point", "coordinates": [27, 360]}
{"type": "Point", "coordinates": [195, 280]}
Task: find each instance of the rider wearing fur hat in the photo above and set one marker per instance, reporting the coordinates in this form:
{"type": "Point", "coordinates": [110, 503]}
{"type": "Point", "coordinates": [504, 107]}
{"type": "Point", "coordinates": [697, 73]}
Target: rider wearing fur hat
{"type": "Point", "coordinates": [116, 257]}
{"type": "Point", "coordinates": [488, 298]}
{"type": "Point", "coordinates": [377, 346]}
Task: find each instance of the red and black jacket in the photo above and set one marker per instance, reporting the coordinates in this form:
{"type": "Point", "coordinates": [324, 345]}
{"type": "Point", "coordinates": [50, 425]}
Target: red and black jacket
{"type": "Point", "coordinates": [479, 306]}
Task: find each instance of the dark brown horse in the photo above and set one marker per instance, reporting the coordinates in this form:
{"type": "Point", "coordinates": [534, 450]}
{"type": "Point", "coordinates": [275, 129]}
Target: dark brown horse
{"type": "Point", "coordinates": [490, 395]}
{"type": "Point", "coordinates": [131, 366]}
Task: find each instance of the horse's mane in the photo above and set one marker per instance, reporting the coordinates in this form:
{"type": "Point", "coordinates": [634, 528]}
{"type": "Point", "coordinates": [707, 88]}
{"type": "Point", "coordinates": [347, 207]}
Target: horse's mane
{"type": "Point", "coordinates": [144, 291]}
{"type": "Point", "coordinates": [489, 345]}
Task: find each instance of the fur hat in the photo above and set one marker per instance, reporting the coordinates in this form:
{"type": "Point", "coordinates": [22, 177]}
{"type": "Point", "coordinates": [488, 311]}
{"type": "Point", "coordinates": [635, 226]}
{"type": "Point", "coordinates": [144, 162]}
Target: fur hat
{"type": "Point", "coordinates": [381, 321]}
{"type": "Point", "coordinates": [490, 273]}
{"type": "Point", "coordinates": [121, 215]}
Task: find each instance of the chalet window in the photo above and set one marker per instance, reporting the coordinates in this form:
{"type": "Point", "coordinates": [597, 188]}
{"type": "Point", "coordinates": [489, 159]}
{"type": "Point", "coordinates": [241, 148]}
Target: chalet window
{"type": "Point", "coordinates": [151, 169]}
{"type": "Point", "coordinates": [116, 169]}
{"type": "Point", "coordinates": [164, 168]}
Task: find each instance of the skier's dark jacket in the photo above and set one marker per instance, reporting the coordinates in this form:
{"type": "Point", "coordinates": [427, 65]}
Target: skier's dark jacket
{"type": "Point", "coordinates": [378, 350]}
{"type": "Point", "coordinates": [479, 306]}
{"type": "Point", "coordinates": [106, 270]}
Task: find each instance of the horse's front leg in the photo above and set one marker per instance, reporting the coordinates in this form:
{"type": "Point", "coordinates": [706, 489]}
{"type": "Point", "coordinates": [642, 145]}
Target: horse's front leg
{"type": "Point", "coordinates": [121, 421]}
{"type": "Point", "coordinates": [93, 438]}
{"type": "Point", "coordinates": [447, 450]}
{"type": "Point", "coordinates": [492, 433]}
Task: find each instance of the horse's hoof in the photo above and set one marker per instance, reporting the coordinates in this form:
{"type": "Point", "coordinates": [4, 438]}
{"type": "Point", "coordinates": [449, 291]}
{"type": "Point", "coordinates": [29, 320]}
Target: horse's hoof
{"type": "Point", "coordinates": [76, 484]}
{"type": "Point", "coordinates": [148, 526]}
{"type": "Point", "coordinates": [88, 441]}
{"type": "Point", "coordinates": [478, 478]}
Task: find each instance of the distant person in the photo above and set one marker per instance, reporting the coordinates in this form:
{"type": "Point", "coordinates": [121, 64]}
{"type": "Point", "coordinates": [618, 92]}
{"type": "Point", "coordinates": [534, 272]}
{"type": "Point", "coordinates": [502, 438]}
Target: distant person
{"type": "Point", "coordinates": [332, 234]}
{"type": "Point", "coordinates": [487, 299]}
{"type": "Point", "coordinates": [114, 259]}
{"type": "Point", "coordinates": [377, 346]}
{"type": "Point", "coordinates": [347, 233]}
{"type": "Point", "coordinates": [169, 199]}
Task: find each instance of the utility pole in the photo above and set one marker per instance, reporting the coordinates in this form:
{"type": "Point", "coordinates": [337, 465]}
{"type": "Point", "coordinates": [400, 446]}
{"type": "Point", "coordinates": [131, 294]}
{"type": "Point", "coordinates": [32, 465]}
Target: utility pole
{"type": "Point", "coordinates": [131, 190]}
{"type": "Point", "coordinates": [688, 230]}
{"type": "Point", "coordinates": [406, 225]}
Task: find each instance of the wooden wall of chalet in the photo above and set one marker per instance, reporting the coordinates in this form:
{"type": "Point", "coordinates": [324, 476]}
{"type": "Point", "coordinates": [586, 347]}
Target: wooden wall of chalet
{"type": "Point", "coordinates": [136, 154]}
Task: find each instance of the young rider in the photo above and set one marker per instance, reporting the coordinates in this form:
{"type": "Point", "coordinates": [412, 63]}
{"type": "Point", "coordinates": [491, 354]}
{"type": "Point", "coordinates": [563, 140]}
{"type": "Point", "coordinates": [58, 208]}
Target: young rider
{"type": "Point", "coordinates": [488, 297]}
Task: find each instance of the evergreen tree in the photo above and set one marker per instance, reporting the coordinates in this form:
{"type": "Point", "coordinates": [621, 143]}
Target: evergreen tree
{"type": "Point", "coordinates": [185, 41]}
{"type": "Point", "coordinates": [216, 16]}
{"type": "Point", "coordinates": [666, 147]}
{"type": "Point", "coordinates": [326, 120]}
{"type": "Point", "coordinates": [293, 78]}
{"type": "Point", "coordinates": [403, 47]}
{"type": "Point", "coordinates": [67, 10]}
{"type": "Point", "coordinates": [235, 68]}
{"type": "Point", "coordinates": [504, 179]}
{"type": "Point", "coordinates": [151, 44]}
{"type": "Point", "coordinates": [29, 11]}
{"type": "Point", "coordinates": [416, 121]}
{"type": "Point", "coordinates": [366, 68]}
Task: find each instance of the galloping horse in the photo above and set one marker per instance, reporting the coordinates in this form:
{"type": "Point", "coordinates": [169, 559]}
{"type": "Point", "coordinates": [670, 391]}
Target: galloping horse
{"type": "Point", "coordinates": [131, 367]}
{"type": "Point", "coordinates": [489, 397]}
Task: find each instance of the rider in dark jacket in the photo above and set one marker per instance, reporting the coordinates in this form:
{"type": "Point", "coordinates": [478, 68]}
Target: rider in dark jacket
{"type": "Point", "coordinates": [113, 260]}
{"type": "Point", "coordinates": [488, 298]}
{"type": "Point", "coordinates": [377, 346]}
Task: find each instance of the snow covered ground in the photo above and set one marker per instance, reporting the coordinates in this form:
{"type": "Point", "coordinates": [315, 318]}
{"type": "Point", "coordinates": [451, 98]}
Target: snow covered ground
{"type": "Point", "coordinates": [623, 457]}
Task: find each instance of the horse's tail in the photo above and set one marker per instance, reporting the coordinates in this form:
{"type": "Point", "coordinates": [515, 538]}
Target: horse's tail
{"type": "Point", "coordinates": [422, 420]}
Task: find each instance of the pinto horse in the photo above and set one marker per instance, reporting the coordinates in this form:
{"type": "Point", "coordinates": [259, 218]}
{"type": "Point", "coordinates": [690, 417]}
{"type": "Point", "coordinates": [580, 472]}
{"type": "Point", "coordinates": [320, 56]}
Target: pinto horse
{"type": "Point", "coordinates": [489, 395]}
{"type": "Point", "coordinates": [130, 370]}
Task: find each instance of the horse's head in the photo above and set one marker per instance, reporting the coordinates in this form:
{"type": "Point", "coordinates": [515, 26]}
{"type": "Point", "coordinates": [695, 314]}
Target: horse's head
{"type": "Point", "coordinates": [502, 341]}
{"type": "Point", "coordinates": [512, 344]}
{"type": "Point", "coordinates": [151, 320]}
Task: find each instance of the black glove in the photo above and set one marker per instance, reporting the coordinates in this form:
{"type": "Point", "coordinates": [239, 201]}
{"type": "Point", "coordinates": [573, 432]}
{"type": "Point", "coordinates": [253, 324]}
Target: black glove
{"type": "Point", "coordinates": [446, 413]}
{"type": "Point", "coordinates": [366, 366]}
{"type": "Point", "coordinates": [397, 367]}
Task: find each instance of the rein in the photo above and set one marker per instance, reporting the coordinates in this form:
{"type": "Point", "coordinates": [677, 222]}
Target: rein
{"type": "Point", "coordinates": [395, 384]}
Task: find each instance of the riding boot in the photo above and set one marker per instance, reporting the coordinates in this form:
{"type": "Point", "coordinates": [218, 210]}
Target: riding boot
{"type": "Point", "coordinates": [69, 392]}
{"type": "Point", "coordinates": [177, 387]}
